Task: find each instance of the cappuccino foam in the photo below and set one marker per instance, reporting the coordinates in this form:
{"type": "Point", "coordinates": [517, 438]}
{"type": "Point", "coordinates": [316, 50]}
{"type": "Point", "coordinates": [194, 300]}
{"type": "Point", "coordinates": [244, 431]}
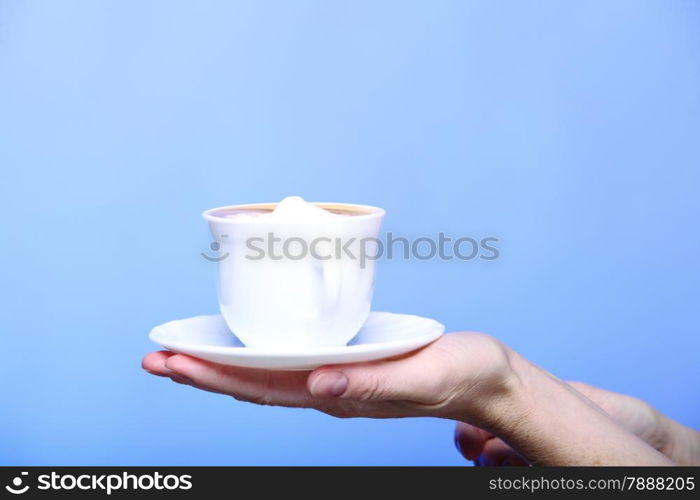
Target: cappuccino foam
{"type": "Point", "coordinates": [291, 210]}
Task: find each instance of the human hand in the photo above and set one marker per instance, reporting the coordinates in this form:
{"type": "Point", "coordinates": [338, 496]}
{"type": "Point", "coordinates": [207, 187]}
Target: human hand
{"type": "Point", "coordinates": [458, 375]}
{"type": "Point", "coordinates": [469, 377]}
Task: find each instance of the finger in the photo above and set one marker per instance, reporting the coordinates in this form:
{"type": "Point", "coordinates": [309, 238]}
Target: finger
{"type": "Point", "coordinates": [154, 363]}
{"type": "Point", "coordinates": [282, 388]}
{"type": "Point", "coordinates": [470, 440]}
{"type": "Point", "coordinates": [415, 379]}
{"type": "Point", "coordinates": [497, 453]}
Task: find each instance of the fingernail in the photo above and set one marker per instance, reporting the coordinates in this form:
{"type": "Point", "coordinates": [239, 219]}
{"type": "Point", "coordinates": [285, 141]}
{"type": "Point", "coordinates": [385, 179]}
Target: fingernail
{"type": "Point", "coordinates": [329, 385]}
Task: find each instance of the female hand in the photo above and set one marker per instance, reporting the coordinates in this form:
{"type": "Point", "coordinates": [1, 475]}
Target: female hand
{"type": "Point", "coordinates": [459, 374]}
{"type": "Point", "coordinates": [470, 377]}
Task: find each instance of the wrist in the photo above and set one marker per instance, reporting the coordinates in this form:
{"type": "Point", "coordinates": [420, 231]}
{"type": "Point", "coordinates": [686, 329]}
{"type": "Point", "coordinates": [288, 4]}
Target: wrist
{"type": "Point", "coordinates": [503, 411]}
{"type": "Point", "coordinates": [493, 400]}
{"type": "Point", "coordinates": [550, 423]}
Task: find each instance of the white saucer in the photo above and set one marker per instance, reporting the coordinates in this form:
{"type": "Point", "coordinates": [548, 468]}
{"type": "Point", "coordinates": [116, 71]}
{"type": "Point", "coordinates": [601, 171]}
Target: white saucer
{"type": "Point", "coordinates": [383, 335]}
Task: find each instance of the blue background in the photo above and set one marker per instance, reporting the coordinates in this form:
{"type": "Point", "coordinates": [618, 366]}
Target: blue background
{"type": "Point", "coordinates": [570, 130]}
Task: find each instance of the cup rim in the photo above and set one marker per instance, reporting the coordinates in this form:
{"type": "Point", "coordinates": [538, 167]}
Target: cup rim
{"type": "Point", "coordinates": [372, 212]}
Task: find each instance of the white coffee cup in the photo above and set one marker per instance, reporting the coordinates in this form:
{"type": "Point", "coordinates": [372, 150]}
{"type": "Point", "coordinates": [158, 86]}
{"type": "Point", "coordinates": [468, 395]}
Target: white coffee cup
{"type": "Point", "coordinates": [274, 295]}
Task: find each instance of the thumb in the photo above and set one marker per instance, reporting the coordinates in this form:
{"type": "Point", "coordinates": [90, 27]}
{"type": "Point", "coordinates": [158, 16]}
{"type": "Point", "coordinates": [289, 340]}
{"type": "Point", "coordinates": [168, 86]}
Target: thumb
{"type": "Point", "coordinates": [401, 379]}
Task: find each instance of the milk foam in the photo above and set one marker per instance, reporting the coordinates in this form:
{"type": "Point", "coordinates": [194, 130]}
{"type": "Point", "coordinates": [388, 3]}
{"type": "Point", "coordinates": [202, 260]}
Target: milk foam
{"type": "Point", "coordinates": [295, 209]}
{"type": "Point", "coordinates": [292, 209]}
